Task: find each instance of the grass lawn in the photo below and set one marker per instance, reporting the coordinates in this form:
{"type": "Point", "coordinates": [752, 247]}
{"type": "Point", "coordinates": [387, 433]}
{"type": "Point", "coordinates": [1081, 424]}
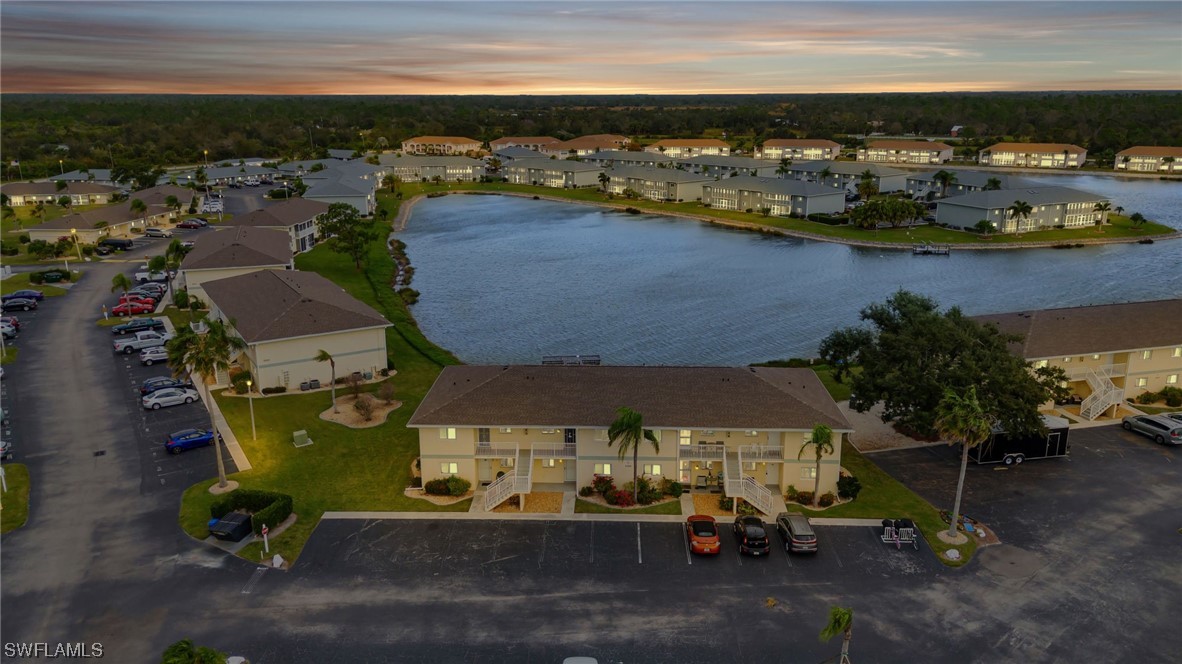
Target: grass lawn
{"type": "Point", "coordinates": [885, 497]}
{"type": "Point", "coordinates": [1155, 410]}
{"type": "Point", "coordinates": [588, 507]}
{"type": "Point", "coordinates": [15, 501]}
{"type": "Point", "coordinates": [9, 355]}
{"type": "Point", "coordinates": [20, 281]}
{"type": "Point", "coordinates": [182, 317]}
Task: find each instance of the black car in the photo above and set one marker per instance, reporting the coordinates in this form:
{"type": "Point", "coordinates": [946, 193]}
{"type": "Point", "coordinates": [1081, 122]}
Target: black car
{"type": "Point", "coordinates": [751, 535]}
{"type": "Point", "coordinates": [138, 325]}
{"type": "Point", "coordinates": [26, 294]}
{"type": "Point", "coordinates": [103, 250]}
{"type": "Point", "coordinates": [18, 304]}
{"type": "Point", "coordinates": [161, 382]}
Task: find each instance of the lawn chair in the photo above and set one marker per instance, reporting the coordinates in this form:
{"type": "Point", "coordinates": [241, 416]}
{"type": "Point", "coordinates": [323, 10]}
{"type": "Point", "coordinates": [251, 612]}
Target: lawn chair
{"type": "Point", "coordinates": [300, 438]}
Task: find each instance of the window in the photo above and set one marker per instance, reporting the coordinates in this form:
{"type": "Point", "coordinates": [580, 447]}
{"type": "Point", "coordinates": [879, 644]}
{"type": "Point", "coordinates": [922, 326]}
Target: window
{"type": "Point", "coordinates": [809, 473]}
{"type": "Point", "coordinates": [1040, 364]}
{"type": "Point", "coordinates": [1095, 356]}
{"type": "Point", "coordinates": [1177, 352]}
{"type": "Point", "coordinates": [1172, 379]}
{"type": "Point", "coordinates": [601, 434]}
{"type": "Point", "coordinates": [748, 465]}
{"type": "Point", "coordinates": [652, 469]}
{"type": "Point", "coordinates": [1146, 354]}
{"type": "Point", "coordinates": [1142, 382]}
{"type": "Point", "coordinates": [1067, 360]}
{"type": "Point", "coordinates": [506, 429]}
{"type": "Point", "coordinates": [447, 433]}
{"type": "Point", "coordinates": [508, 462]}
{"type": "Point", "coordinates": [708, 432]}
{"type": "Point", "coordinates": [549, 463]}
{"type": "Point", "coordinates": [683, 437]}
{"type": "Point", "coordinates": [549, 431]}
{"type": "Point", "coordinates": [482, 435]}
{"type": "Point", "coordinates": [449, 468]}
{"type": "Point", "coordinates": [603, 469]}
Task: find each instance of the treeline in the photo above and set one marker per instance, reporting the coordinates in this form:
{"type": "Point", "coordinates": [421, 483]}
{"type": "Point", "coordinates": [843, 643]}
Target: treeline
{"type": "Point", "coordinates": [101, 130]}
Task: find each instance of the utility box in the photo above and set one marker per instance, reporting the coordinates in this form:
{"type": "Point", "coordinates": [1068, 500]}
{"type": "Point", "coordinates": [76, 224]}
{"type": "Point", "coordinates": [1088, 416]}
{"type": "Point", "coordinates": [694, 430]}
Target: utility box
{"type": "Point", "coordinates": [232, 528]}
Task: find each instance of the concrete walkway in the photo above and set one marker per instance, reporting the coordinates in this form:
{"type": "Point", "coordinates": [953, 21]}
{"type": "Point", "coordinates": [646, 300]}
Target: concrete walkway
{"type": "Point", "coordinates": [223, 427]}
{"type": "Point", "coordinates": [565, 516]}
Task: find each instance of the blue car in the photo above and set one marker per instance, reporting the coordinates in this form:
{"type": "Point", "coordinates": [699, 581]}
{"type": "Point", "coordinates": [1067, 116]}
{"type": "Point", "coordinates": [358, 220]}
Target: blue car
{"type": "Point", "coordinates": [188, 439]}
{"type": "Point", "coordinates": [23, 294]}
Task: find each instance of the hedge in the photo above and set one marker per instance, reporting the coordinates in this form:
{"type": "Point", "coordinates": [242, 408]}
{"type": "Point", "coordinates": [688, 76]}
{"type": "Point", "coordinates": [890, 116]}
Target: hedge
{"type": "Point", "coordinates": [266, 507]}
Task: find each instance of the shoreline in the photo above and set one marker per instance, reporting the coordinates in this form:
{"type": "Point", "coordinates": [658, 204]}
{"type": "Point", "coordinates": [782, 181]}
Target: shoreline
{"type": "Point", "coordinates": [403, 218]}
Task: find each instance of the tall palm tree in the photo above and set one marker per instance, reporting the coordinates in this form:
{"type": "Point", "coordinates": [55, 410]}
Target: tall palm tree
{"type": "Point", "coordinates": [821, 440]}
{"type": "Point", "coordinates": [841, 621]}
{"type": "Point", "coordinates": [824, 174]}
{"type": "Point", "coordinates": [140, 209]}
{"type": "Point", "coordinates": [205, 354]}
{"type": "Point", "coordinates": [604, 179]}
{"type": "Point", "coordinates": [1103, 207]}
{"type": "Point", "coordinates": [173, 203]}
{"type": "Point", "coordinates": [173, 255]}
{"type": "Point", "coordinates": [121, 282]}
{"type": "Point", "coordinates": [961, 419]}
{"type": "Point", "coordinates": [945, 178]}
{"type": "Point", "coordinates": [1119, 210]}
{"type": "Point", "coordinates": [993, 184]}
{"type": "Point", "coordinates": [323, 356]}
{"type": "Point", "coordinates": [784, 169]}
{"type": "Point", "coordinates": [1020, 209]}
{"type": "Point", "coordinates": [867, 187]}
{"type": "Point", "coordinates": [628, 430]}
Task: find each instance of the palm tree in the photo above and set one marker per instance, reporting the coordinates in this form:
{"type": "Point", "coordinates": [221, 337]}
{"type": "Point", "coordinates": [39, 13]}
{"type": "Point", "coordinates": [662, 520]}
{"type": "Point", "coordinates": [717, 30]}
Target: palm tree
{"type": "Point", "coordinates": [824, 174]}
{"type": "Point", "coordinates": [993, 184]}
{"type": "Point", "coordinates": [206, 354]}
{"type": "Point", "coordinates": [1020, 209]}
{"type": "Point", "coordinates": [784, 169]}
{"type": "Point", "coordinates": [323, 356]}
{"type": "Point", "coordinates": [628, 430]}
{"type": "Point", "coordinates": [867, 187]}
{"type": "Point", "coordinates": [139, 208]}
{"type": "Point", "coordinates": [121, 282]}
{"type": "Point", "coordinates": [173, 255]}
{"type": "Point", "coordinates": [841, 621]}
{"type": "Point", "coordinates": [39, 211]}
{"type": "Point", "coordinates": [945, 178]}
{"type": "Point", "coordinates": [1119, 210]}
{"type": "Point", "coordinates": [173, 203]}
{"type": "Point", "coordinates": [604, 179]}
{"type": "Point", "coordinates": [821, 440]}
{"type": "Point", "coordinates": [1102, 207]}
{"type": "Point", "coordinates": [961, 419]}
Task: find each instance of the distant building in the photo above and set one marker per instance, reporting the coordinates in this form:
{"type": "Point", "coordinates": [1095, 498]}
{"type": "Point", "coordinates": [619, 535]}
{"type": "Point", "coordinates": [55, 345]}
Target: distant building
{"type": "Point", "coordinates": [534, 143]}
{"type": "Point", "coordinates": [955, 131]}
{"type": "Point", "coordinates": [846, 175]}
{"type": "Point", "coordinates": [926, 185]}
{"type": "Point", "coordinates": [440, 145]}
{"type": "Point", "coordinates": [610, 158]}
{"type": "Point", "coordinates": [782, 198]}
{"type": "Point", "coordinates": [1149, 159]}
{"type": "Point", "coordinates": [802, 149]}
{"type": "Point", "coordinates": [1050, 207]}
{"type": "Point", "coordinates": [684, 148]}
{"type": "Point", "coordinates": [95, 175]}
{"type": "Point", "coordinates": [905, 152]}
{"type": "Point", "coordinates": [657, 184]}
{"type": "Point", "coordinates": [720, 166]}
{"type": "Point", "coordinates": [80, 193]}
{"type": "Point", "coordinates": [413, 168]}
{"type": "Point", "coordinates": [116, 220]}
{"type": "Point", "coordinates": [558, 173]}
{"type": "Point", "coordinates": [1033, 155]}
{"type": "Point", "coordinates": [584, 145]}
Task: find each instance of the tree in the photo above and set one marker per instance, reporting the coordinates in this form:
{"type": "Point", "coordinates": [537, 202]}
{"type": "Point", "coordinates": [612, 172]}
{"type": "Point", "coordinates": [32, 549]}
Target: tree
{"type": "Point", "coordinates": [1137, 218]}
{"type": "Point", "coordinates": [867, 186]}
{"type": "Point", "coordinates": [984, 227]}
{"type": "Point", "coordinates": [1119, 210]}
{"type": "Point", "coordinates": [824, 175]}
{"type": "Point", "coordinates": [323, 356]}
{"type": "Point", "coordinates": [1102, 207]}
{"type": "Point", "coordinates": [136, 173]}
{"type": "Point", "coordinates": [993, 184]}
{"type": "Point", "coordinates": [945, 178]}
{"type": "Point", "coordinates": [39, 211]}
{"type": "Point", "coordinates": [915, 352]}
{"type": "Point", "coordinates": [1019, 209]}
{"type": "Point", "coordinates": [120, 282]}
{"type": "Point", "coordinates": [345, 232]}
{"type": "Point", "coordinates": [140, 209]}
{"type": "Point", "coordinates": [604, 179]}
{"type": "Point", "coordinates": [205, 354]}
{"type": "Point", "coordinates": [173, 203]}
{"type": "Point", "coordinates": [184, 652]}
{"type": "Point", "coordinates": [63, 202]}
{"type": "Point", "coordinates": [785, 167]}
{"type": "Point", "coordinates": [821, 440]}
{"type": "Point", "coordinates": [841, 621]}
{"type": "Point", "coordinates": [173, 256]}
{"type": "Point", "coordinates": [628, 430]}
{"type": "Point", "coordinates": [961, 419]}
{"type": "Point", "coordinates": [842, 350]}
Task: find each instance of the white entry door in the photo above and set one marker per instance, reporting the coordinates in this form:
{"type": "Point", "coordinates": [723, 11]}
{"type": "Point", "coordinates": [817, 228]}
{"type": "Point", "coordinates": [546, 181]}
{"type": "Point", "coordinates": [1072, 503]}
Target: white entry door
{"type": "Point", "coordinates": [569, 469]}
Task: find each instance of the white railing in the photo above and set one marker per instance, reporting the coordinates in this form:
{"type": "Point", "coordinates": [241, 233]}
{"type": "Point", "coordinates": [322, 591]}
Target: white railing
{"type": "Point", "coordinates": [504, 487]}
{"type": "Point", "coordinates": [490, 451]}
{"type": "Point", "coordinates": [761, 453]}
{"type": "Point", "coordinates": [1104, 394]}
{"type": "Point", "coordinates": [701, 452]}
{"type": "Point", "coordinates": [1107, 370]}
{"type": "Point", "coordinates": [757, 494]}
{"type": "Point", "coordinates": [554, 451]}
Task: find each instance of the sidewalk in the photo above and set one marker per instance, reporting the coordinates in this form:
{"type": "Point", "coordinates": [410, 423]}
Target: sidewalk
{"type": "Point", "coordinates": [480, 515]}
{"type": "Point", "coordinates": [223, 427]}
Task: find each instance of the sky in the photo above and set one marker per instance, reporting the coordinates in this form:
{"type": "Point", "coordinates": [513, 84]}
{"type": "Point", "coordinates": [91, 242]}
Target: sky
{"type": "Point", "coordinates": [604, 47]}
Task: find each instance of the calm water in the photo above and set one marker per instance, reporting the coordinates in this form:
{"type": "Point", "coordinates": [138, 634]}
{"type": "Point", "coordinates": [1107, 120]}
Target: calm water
{"type": "Point", "coordinates": [508, 280]}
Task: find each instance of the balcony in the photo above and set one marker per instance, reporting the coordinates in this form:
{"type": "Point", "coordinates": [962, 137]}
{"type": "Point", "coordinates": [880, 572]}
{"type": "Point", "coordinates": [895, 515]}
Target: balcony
{"type": "Point", "coordinates": [1109, 370]}
{"type": "Point", "coordinates": [498, 451]}
{"type": "Point", "coordinates": [761, 453]}
{"type": "Point", "coordinates": [554, 451]}
{"type": "Point", "coordinates": [701, 452]}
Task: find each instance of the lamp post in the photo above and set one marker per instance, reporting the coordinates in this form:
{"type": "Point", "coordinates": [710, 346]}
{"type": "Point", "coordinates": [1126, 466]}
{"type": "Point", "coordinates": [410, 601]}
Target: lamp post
{"type": "Point", "coordinates": [250, 397]}
{"type": "Point", "coordinates": [74, 234]}
{"type": "Point", "coordinates": [62, 166]}
{"type": "Point", "coordinates": [206, 152]}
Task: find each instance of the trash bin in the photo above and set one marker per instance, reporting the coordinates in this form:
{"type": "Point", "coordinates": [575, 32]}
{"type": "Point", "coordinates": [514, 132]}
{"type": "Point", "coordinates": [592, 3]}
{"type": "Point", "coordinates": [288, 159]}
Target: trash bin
{"type": "Point", "coordinates": [52, 277]}
{"type": "Point", "coordinates": [232, 528]}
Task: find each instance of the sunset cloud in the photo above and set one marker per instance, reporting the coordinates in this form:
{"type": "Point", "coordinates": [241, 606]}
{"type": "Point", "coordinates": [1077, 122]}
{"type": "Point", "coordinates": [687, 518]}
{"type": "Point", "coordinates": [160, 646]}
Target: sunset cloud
{"type": "Point", "coordinates": [571, 47]}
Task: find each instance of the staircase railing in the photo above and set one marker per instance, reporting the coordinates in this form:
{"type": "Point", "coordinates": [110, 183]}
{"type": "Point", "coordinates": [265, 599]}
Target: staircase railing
{"type": "Point", "coordinates": [517, 481]}
{"type": "Point", "coordinates": [1104, 394]}
{"type": "Point", "coordinates": [757, 494]}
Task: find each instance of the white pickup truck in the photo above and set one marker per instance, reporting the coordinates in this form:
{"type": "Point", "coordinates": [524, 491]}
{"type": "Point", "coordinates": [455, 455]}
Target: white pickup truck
{"type": "Point", "coordinates": [140, 341]}
{"type": "Point", "coordinates": [141, 277]}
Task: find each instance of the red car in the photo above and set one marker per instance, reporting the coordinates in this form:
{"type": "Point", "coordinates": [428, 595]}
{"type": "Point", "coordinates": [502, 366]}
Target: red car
{"type": "Point", "coordinates": [132, 308]}
{"type": "Point", "coordinates": [702, 533]}
{"type": "Point", "coordinates": [11, 320]}
{"type": "Point", "coordinates": [139, 299]}
{"type": "Point", "coordinates": [189, 223]}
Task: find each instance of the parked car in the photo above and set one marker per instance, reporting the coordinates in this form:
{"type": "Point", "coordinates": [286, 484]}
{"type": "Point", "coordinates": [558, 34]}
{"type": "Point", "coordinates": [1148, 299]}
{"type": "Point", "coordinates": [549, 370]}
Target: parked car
{"type": "Point", "coordinates": [796, 532]}
{"type": "Point", "coordinates": [1162, 430]}
{"type": "Point", "coordinates": [702, 532]}
{"type": "Point", "coordinates": [7, 330]}
{"type": "Point", "coordinates": [138, 298]}
{"type": "Point", "coordinates": [150, 356]}
{"type": "Point", "coordinates": [103, 250]}
{"type": "Point", "coordinates": [138, 325]}
{"type": "Point", "coordinates": [1172, 416]}
{"type": "Point", "coordinates": [18, 304]}
{"type": "Point", "coordinates": [169, 396]}
{"type": "Point", "coordinates": [140, 341]}
{"type": "Point", "coordinates": [151, 276]}
{"type": "Point", "coordinates": [12, 320]}
{"type": "Point", "coordinates": [188, 244]}
{"type": "Point", "coordinates": [752, 535]}
{"type": "Point", "coordinates": [190, 223]}
{"type": "Point", "coordinates": [117, 243]}
{"type": "Point", "coordinates": [27, 294]}
{"type": "Point", "coordinates": [146, 293]}
{"type": "Point", "coordinates": [162, 382]}
{"type": "Point", "coordinates": [133, 308]}
{"type": "Point", "coordinates": [189, 439]}
{"type": "Point", "coordinates": [157, 232]}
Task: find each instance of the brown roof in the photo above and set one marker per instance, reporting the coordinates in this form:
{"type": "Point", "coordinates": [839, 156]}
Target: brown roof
{"type": "Point", "coordinates": [454, 140]}
{"type": "Point", "coordinates": [690, 143]}
{"type": "Point", "coordinates": [286, 214]}
{"type": "Point", "coordinates": [239, 247]}
{"type": "Point", "coordinates": [1105, 328]}
{"type": "Point", "coordinates": [668, 397]}
{"type": "Point", "coordinates": [46, 188]}
{"type": "Point", "coordinates": [270, 304]}
{"type": "Point", "coordinates": [800, 143]}
{"type": "Point", "coordinates": [1035, 148]}
{"type": "Point", "coordinates": [120, 213]}
{"type": "Point", "coordinates": [908, 145]}
{"type": "Point", "coordinates": [1150, 151]}
{"type": "Point", "coordinates": [601, 141]}
{"type": "Point", "coordinates": [531, 140]}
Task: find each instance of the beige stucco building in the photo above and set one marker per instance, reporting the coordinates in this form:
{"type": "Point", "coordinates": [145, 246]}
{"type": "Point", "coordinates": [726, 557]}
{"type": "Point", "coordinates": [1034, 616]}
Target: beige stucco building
{"type": "Point", "coordinates": [1149, 159]}
{"type": "Point", "coordinates": [80, 193]}
{"type": "Point", "coordinates": [527, 142]}
{"type": "Point", "coordinates": [117, 220]}
{"type": "Point", "coordinates": [906, 152]}
{"type": "Point", "coordinates": [738, 431]}
{"type": "Point", "coordinates": [1110, 352]}
{"type": "Point", "coordinates": [684, 148]}
{"type": "Point", "coordinates": [231, 252]}
{"type": "Point", "coordinates": [440, 145]}
{"type": "Point", "coordinates": [798, 149]}
{"type": "Point", "coordinates": [1033, 155]}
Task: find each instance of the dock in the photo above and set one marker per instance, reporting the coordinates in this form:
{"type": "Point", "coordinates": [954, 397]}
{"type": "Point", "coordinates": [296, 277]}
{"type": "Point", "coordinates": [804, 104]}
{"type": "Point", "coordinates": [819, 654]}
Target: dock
{"type": "Point", "coordinates": [929, 249]}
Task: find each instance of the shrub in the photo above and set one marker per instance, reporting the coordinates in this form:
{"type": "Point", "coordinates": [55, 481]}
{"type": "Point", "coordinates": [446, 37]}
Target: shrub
{"type": "Point", "coordinates": [826, 499]}
{"type": "Point", "coordinates": [386, 392]}
{"type": "Point", "coordinates": [278, 389]}
{"type": "Point", "coordinates": [266, 507]}
{"type": "Point", "coordinates": [624, 499]}
{"type": "Point", "coordinates": [364, 407]}
{"type": "Point", "coordinates": [88, 250]}
{"type": "Point", "coordinates": [611, 495]}
{"type": "Point", "coordinates": [647, 492]}
{"type": "Point", "coordinates": [240, 388]}
{"type": "Point", "coordinates": [416, 482]}
{"type": "Point", "coordinates": [725, 503]}
{"type": "Point", "coordinates": [1143, 398]}
{"type": "Point", "coordinates": [804, 497]}
{"type": "Point", "coordinates": [586, 491]}
{"type": "Point", "coordinates": [408, 295]}
{"type": "Point", "coordinates": [1173, 400]}
{"type": "Point", "coordinates": [457, 486]}
{"type": "Point", "coordinates": [792, 492]}
{"type": "Point", "coordinates": [603, 484]}
{"type": "Point", "coordinates": [181, 299]}
{"type": "Point", "coordinates": [746, 509]}
{"type": "Point", "coordinates": [671, 487]}
{"type": "Point", "coordinates": [848, 487]}
{"type": "Point", "coordinates": [437, 487]}
{"type": "Point", "coordinates": [23, 238]}
{"type": "Point", "coordinates": [9, 247]}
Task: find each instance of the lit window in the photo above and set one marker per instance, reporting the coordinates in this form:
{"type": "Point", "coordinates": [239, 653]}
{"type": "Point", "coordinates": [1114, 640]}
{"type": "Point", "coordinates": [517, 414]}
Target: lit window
{"type": "Point", "coordinates": [1067, 360]}
{"type": "Point", "coordinates": [603, 469]}
{"type": "Point", "coordinates": [506, 430]}
{"type": "Point", "coordinates": [601, 434]}
{"type": "Point", "coordinates": [1096, 356]}
{"type": "Point", "coordinates": [508, 462]}
{"type": "Point", "coordinates": [1040, 364]}
{"type": "Point", "coordinates": [652, 469]}
{"type": "Point", "coordinates": [683, 436]}
{"type": "Point", "coordinates": [1172, 379]}
{"type": "Point", "coordinates": [449, 468]}
{"type": "Point", "coordinates": [447, 433]}
{"type": "Point", "coordinates": [750, 434]}
{"type": "Point", "coordinates": [809, 473]}
{"type": "Point", "coordinates": [549, 463]}
{"type": "Point", "coordinates": [1146, 354]}
{"type": "Point", "coordinates": [1142, 382]}
{"type": "Point", "coordinates": [1177, 352]}
{"type": "Point", "coordinates": [549, 430]}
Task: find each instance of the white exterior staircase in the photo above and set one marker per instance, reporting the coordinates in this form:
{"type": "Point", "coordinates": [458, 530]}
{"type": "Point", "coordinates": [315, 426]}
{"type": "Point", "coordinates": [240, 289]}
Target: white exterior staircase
{"type": "Point", "coordinates": [517, 482]}
{"type": "Point", "coordinates": [1105, 393]}
{"type": "Point", "coordinates": [738, 485]}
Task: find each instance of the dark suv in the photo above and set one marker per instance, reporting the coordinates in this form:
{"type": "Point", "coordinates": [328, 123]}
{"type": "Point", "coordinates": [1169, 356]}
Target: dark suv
{"type": "Point", "coordinates": [752, 536]}
{"type": "Point", "coordinates": [138, 325]}
{"type": "Point", "coordinates": [796, 532]}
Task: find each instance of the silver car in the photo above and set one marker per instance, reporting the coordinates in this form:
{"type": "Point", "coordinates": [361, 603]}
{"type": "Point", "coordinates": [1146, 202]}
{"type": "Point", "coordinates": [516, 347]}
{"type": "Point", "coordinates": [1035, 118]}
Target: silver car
{"type": "Point", "coordinates": [169, 396]}
{"type": "Point", "coordinates": [150, 356]}
{"type": "Point", "coordinates": [1162, 430]}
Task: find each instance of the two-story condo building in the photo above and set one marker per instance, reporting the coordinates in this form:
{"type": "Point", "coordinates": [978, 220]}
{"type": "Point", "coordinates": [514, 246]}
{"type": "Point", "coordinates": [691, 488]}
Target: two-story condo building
{"type": "Point", "coordinates": [559, 173]}
{"type": "Point", "coordinates": [684, 148]}
{"type": "Point", "coordinates": [927, 185]}
{"type": "Point", "coordinates": [658, 184]}
{"type": "Point", "coordinates": [117, 220]}
{"type": "Point", "coordinates": [905, 152]}
{"type": "Point", "coordinates": [1149, 159]}
{"type": "Point", "coordinates": [80, 193]}
{"type": "Point", "coordinates": [846, 175]}
{"type": "Point", "coordinates": [414, 168]}
{"type": "Point", "coordinates": [584, 145]}
{"type": "Point", "coordinates": [535, 143]}
{"type": "Point", "coordinates": [1033, 155]}
{"type": "Point", "coordinates": [742, 429]}
{"type": "Point", "coordinates": [798, 149]}
{"type": "Point", "coordinates": [1049, 207]}
{"type": "Point", "coordinates": [296, 216]}
{"type": "Point", "coordinates": [1110, 352]}
{"type": "Point", "coordinates": [782, 198]}
{"type": "Point", "coordinates": [727, 166]}
{"type": "Point", "coordinates": [612, 158]}
{"type": "Point", "coordinates": [230, 252]}
{"type": "Point", "coordinates": [440, 145]}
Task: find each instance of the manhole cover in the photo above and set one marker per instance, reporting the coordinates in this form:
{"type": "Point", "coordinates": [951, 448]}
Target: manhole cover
{"type": "Point", "coordinates": [100, 453]}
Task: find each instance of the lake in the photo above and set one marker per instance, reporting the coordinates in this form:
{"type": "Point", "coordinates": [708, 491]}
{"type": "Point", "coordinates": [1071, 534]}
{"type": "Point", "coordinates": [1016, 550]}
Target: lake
{"type": "Point", "coordinates": [508, 280]}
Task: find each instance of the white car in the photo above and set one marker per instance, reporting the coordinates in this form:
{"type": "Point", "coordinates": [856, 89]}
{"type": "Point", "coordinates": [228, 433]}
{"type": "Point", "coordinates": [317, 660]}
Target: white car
{"type": "Point", "coordinates": [169, 396]}
{"type": "Point", "coordinates": [7, 330]}
{"type": "Point", "coordinates": [150, 356]}
{"type": "Point", "coordinates": [157, 232]}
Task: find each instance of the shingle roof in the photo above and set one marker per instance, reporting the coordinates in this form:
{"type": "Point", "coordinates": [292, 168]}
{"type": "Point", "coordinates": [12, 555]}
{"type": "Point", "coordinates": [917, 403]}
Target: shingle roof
{"type": "Point", "coordinates": [907, 145]}
{"type": "Point", "coordinates": [452, 140]}
{"type": "Point", "coordinates": [726, 161]}
{"type": "Point", "coordinates": [435, 160]}
{"type": "Point", "coordinates": [626, 156]}
{"type": "Point", "coordinates": [975, 178]}
{"type": "Point", "coordinates": [1102, 328]}
{"type": "Point", "coordinates": [48, 188]}
{"type": "Point", "coordinates": [334, 188]}
{"type": "Point", "coordinates": [799, 143]}
{"type": "Point", "coordinates": [239, 246]}
{"type": "Point", "coordinates": [269, 304]}
{"type": "Point", "coordinates": [1034, 148]}
{"type": "Point", "coordinates": [690, 143]}
{"type": "Point", "coordinates": [1003, 198]}
{"type": "Point", "coordinates": [518, 140]}
{"type": "Point", "coordinates": [288, 213]}
{"type": "Point", "coordinates": [845, 168]}
{"type": "Point", "coordinates": [1150, 151]}
{"type": "Point", "coordinates": [667, 397]}
{"type": "Point", "coordinates": [120, 213]}
{"type": "Point", "coordinates": [101, 174]}
{"type": "Point", "coordinates": [516, 152]}
{"type": "Point", "coordinates": [658, 174]}
{"type": "Point", "coordinates": [777, 186]}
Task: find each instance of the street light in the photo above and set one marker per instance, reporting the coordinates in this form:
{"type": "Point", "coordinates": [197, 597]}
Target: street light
{"type": "Point", "coordinates": [74, 234]}
{"type": "Point", "coordinates": [61, 166]}
{"type": "Point", "coordinates": [206, 158]}
{"type": "Point", "coordinates": [250, 397]}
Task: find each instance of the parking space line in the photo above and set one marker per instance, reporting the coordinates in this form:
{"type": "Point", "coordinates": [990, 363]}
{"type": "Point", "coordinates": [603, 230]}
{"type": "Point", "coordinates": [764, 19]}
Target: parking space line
{"type": "Point", "coordinates": [835, 555]}
{"type": "Point", "coordinates": [542, 550]}
{"type": "Point", "coordinates": [685, 543]}
{"type": "Point", "coordinates": [639, 555]}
